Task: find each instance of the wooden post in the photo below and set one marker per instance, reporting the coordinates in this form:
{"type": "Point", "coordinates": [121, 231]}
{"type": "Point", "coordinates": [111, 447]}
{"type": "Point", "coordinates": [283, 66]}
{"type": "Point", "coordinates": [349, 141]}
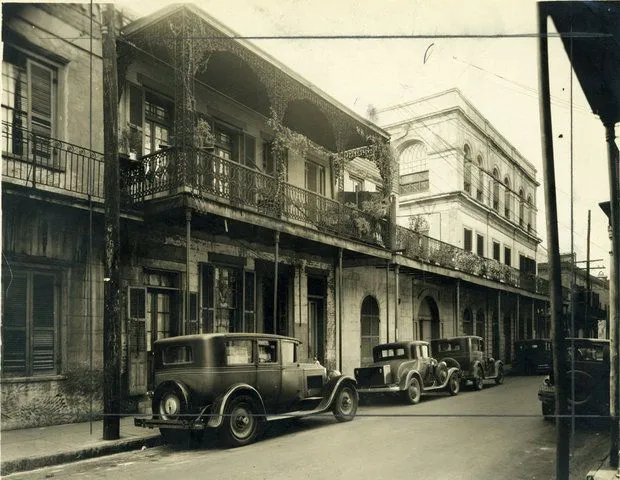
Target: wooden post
{"type": "Point", "coordinates": [387, 300]}
{"type": "Point", "coordinates": [397, 296]}
{"type": "Point", "coordinates": [562, 430]}
{"type": "Point", "coordinates": [188, 238]}
{"type": "Point", "coordinates": [112, 294]}
{"type": "Point", "coordinates": [340, 308]}
{"type": "Point", "coordinates": [275, 283]}
{"type": "Point", "coordinates": [587, 312]}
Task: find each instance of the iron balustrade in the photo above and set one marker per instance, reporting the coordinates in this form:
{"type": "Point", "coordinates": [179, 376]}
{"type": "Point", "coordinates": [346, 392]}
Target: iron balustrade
{"type": "Point", "coordinates": [38, 161]}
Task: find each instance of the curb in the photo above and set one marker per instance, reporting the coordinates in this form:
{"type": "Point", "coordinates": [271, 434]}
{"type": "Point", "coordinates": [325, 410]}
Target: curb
{"type": "Point", "coordinates": [31, 463]}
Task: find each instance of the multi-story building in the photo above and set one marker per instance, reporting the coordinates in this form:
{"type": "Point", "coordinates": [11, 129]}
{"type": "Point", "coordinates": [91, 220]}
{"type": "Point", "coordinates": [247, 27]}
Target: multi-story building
{"type": "Point", "coordinates": [463, 184]}
{"type": "Point", "coordinates": [250, 201]}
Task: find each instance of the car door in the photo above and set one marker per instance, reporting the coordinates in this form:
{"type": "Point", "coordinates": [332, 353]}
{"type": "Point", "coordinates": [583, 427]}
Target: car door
{"type": "Point", "coordinates": [424, 364]}
{"type": "Point", "coordinates": [268, 373]}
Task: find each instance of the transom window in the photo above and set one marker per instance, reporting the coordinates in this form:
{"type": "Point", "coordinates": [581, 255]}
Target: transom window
{"type": "Point", "coordinates": [413, 159]}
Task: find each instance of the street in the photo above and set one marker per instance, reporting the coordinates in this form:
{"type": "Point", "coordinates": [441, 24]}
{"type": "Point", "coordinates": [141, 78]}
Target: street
{"type": "Point", "coordinates": [497, 433]}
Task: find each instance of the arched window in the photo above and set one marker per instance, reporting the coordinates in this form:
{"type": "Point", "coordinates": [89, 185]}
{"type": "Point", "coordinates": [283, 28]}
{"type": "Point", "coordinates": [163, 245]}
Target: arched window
{"type": "Point", "coordinates": [480, 185]}
{"type": "Point", "coordinates": [496, 190]}
{"type": "Point", "coordinates": [468, 324]}
{"type": "Point", "coordinates": [507, 198]}
{"type": "Point", "coordinates": [369, 323]}
{"type": "Point", "coordinates": [480, 325]}
{"type": "Point", "coordinates": [413, 168]}
{"type": "Point", "coordinates": [530, 213]}
{"type": "Point", "coordinates": [521, 208]}
{"type": "Point", "coordinates": [467, 169]}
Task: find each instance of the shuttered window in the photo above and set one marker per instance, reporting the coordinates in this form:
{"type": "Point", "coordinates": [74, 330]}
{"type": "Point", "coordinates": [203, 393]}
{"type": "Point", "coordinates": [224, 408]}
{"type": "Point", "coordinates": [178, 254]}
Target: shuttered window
{"type": "Point", "coordinates": [28, 104]}
{"type": "Point", "coordinates": [29, 323]}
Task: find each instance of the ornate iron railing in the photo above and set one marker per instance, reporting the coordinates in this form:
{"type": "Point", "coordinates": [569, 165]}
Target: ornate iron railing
{"type": "Point", "coordinates": [202, 174]}
{"type": "Point", "coordinates": [39, 161]}
{"type": "Point", "coordinates": [429, 250]}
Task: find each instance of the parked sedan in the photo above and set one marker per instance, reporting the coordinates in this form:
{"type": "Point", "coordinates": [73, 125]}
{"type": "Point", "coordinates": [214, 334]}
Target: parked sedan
{"type": "Point", "coordinates": [237, 382]}
{"type": "Point", "coordinates": [406, 368]}
{"type": "Point", "coordinates": [532, 356]}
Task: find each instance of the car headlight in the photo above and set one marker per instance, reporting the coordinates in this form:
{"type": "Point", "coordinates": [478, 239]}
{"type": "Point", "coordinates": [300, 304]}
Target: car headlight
{"type": "Point", "coordinates": [333, 374]}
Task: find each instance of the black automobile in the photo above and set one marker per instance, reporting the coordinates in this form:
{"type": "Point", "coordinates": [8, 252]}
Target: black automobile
{"type": "Point", "coordinates": [532, 357]}
{"type": "Point", "coordinates": [588, 364]}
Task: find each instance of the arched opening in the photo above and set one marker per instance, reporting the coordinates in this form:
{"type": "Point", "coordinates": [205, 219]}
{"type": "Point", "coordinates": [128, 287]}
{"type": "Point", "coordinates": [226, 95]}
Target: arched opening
{"type": "Point", "coordinates": [428, 320]}
{"type": "Point", "coordinates": [480, 186]}
{"type": "Point", "coordinates": [496, 189]}
{"type": "Point", "coordinates": [507, 198]}
{"type": "Point", "coordinates": [413, 168]}
{"type": "Point", "coordinates": [481, 325]}
{"type": "Point", "coordinates": [306, 118]}
{"type": "Point", "coordinates": [507, 338]}
{"type": "Point", "coordinates": [468, 324]}
{"type": "Point", "coordinates": [370, 328]}
{"type": "Point", "coordinates": [521, 208]}
{"type": "Point", "coordinates": [467, 169]}
{"type": "Point", "coordinates": [530, 216]}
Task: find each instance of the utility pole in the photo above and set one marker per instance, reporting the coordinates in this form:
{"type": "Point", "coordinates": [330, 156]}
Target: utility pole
{"type": "Point", "coordinates": [587, 312]}
{"type": "Point", "coordinates": [111, 315]}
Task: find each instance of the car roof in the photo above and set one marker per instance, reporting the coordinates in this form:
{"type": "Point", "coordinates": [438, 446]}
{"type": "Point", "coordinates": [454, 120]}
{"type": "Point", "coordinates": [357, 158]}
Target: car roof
{"type": "Point", "coordinates": [459, 337]}
{"type": "Point", "coordinates": [400, 344]}
{"type": "Point", "coordinates": [588, 340]}
{"type": "Point", "coordinates": [208, 336]}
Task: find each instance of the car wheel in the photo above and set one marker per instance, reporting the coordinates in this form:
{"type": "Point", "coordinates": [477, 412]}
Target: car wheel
{"type": "Point", "coordinates": [241, 422]}
{"type": "Point", "coordinates": [454, 385]}
{"type": "Point", "coordinates": [478, 379]}
{"type": "Point", "coordinates": [413, 392]}
{"type": "Point", "coordinates": [345, 406]}
{"type": "Point", "coordinates": [548, 411]}
{"type": "Point", "coordinates": [170, 404]}
{"type": "Point", "coordinates": [176, 436]}
{"type": "Point", "coordinates": [500, 375]}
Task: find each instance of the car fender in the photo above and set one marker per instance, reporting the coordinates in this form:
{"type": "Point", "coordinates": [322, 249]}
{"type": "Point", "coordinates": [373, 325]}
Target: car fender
{"type": "Point", "coordinates": [474, 366]}
{"type": "Point", "coordinates": [220, 403]}
{"type": "Point", "coordinates": [498, 364]}
{"type": "Point", "coordinates": [451, 363]}
{"type": "Point", "coordinates": [404, 383]}
{"type": "Point", "coordinates": [180, 386]}
{"type": "Point", "coordinates": [331, 388]}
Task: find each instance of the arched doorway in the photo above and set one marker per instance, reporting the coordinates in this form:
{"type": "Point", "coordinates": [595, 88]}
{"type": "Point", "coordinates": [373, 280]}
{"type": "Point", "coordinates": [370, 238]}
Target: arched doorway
{"type": "Point", "coordinates": [481, 325]}
{"type": "Point", "coordinates": [507, 338]}
{"type": "Point", "coordinates": [468, 324]}
{"type": "Point", "coordinates": [370, 328]}
{"type": "Point", "coordinates": [428, 320]}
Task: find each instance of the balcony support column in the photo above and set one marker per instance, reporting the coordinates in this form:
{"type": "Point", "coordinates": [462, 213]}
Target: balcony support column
{"type": "Point", "coordinates": [458, 307]}
{"type": "Point", "coordinates": [387, 300]}
{"type": "Point", "coordinates": [275, 282]}
{"type": "Point", "coordinates": [340, 308]}
{"type": "Point", "coordinates": [188, 239]}
{"type": "Point", "coordinates": [396, 300]}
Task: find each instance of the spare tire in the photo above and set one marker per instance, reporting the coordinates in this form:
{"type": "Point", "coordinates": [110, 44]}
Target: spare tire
{"type": "Point", "coordinates": [441, 372]}
{"type": "Point", "coordinates": [584, 387]}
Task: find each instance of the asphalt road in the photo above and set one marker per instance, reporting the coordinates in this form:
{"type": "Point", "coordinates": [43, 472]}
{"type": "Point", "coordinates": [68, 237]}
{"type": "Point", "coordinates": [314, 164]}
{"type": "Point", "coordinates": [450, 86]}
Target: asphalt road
{"type": "Point", "coordinates": [494, 434]}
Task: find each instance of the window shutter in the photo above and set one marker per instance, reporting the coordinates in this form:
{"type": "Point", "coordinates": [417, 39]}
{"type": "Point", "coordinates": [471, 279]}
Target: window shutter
{"type": "Point", "coordinates": [15, 291]}
{"type": "Point", "coordinates": [207, 299]}
{"type": "Point", "coordinates": [43, 357]}
{"type": "Point", "coordinates": [248, 301]}
{"type": "Point", "coordinates": [136, 100]}
{"type": "Point", "coordinates": [41, 99]}
{"type": "Point", "coordinates": [137, 303]}
{"type": "Point", "coordinates": [250, 151]}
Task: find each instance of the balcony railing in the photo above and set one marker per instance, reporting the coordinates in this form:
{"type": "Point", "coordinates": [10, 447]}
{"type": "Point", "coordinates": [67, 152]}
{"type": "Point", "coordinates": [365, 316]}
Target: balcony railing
{"type": "Point", "coordinates": [204, 175]}
{"type": "Point", "coordinates": [49, 164]}
{"type": "Point", "coordinates": [429, 250]}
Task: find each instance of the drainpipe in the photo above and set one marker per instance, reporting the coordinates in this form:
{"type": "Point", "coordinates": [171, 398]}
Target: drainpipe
{"type": "Point", "coordinates": [387, 300]}
{"type": "Point", "coordinates": [458, 306]}
{"type": "Point", "coordinates": [188, 238]}
{"type": "Point", "coordinates": [396, 300]}
{"type": "Point", "coordinates": [340, 308]}
{"type": "Point", "coordinates": [275, 283]}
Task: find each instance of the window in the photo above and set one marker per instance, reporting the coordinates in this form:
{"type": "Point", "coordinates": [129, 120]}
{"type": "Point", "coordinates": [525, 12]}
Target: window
{"type": "Point", "coordinates": [267, 351]}
{"type": "Point", "coordinates": [389, 353]}
{"type": "Point", "coordinates": [521, 207]}
{"type": "Point", "coordinates": [496, 251]}
{"type": "Point", "coordinates": [480, 185]}
{"type": "Point", "coordinates": [423, 351]}
{"type": "Point", "coordinates": [496, 190]}
{"type": "Point", "coordinates": [157, 123]}
{"type": "Point", "coordinates": [28, 104]}
{"type": "Point", "coordinates": [315, 177]}
{"type": "Point", "coordinates": [177, 354]}
{"type": "Point", "coordinates": [467, 239]}
{"type": "Point", "coordinates": [414, 169]}
{"type": "Point", "coordinates": [357, 184]}
{"type": "Point", "coordinates": [467, 164]}
{"type": "Point", "coordinates": [530, 209]}
{"type": "Point", "coordinates": [239, 352]}
{"type": "Point", "coordinates": [289, 352]}
{"type": "Point", "coordinates": [29, 345]}
{"type": "Point", "coordinates": [507, 198]}
{"type": "Point", "coordinates": [480, 245]}
{"type": "Point", "coordinates": [269, 163]}
{"type": "Point", "coordinates": [507, 253]}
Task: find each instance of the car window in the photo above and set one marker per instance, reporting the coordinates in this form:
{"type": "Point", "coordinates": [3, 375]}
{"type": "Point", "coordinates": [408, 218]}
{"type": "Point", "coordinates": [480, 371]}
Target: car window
{"type": "Point", "coordinates": [448, 347]}
{"type": "Point", "coordinates": [423, 351]}
{"type": "Point", "coordinates": [474, 344]}
{"type": "Point", "coordinates": [239, 352]}
{"type": "Point", "coordinates": [267, 351]}
{"type": "Point", "coordinates": [587, 353]}
{"type": "Point", "coordinates": [177, 354]}
{"type": "Point", "coordinates": [390, 353]}
{"type": "Point", "coordinates": [289, 352]}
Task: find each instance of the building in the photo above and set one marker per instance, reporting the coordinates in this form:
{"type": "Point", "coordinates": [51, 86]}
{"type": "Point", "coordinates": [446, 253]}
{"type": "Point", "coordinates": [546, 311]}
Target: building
{"type": "Point", "coordinates": [463, 185]}
{"type": "Point", "coordinates": [250, 201]}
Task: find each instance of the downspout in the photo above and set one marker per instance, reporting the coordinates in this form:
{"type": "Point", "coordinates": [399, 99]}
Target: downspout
{"type": "Point", "coordinates": [275, 283]}
{"type": "Point", "coordinates": [188, 238]}
{"type": "Point", "coordinates": [340, 308]}
{"type": "Point", "coordinates": [387, 300]}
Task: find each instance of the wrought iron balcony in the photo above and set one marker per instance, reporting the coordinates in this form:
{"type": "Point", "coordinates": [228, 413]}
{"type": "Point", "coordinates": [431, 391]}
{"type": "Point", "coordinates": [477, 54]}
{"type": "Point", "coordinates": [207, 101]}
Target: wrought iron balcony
{"type": "Point", "coordinates": [200, 173]}
{"type": "Point", "coordinates": [429, 250]}
{"type": "Point", "coordinates": [48, 164]}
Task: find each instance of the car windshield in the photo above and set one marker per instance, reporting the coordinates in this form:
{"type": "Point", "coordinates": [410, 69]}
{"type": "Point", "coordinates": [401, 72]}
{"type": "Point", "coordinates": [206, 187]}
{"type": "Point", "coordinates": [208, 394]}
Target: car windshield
{"type": "Point", "coordinates": [588, 352]}
{"type": "Point", "coordinates": [447, 346]}
{"type": "Point", "coordinates": [389, 353]}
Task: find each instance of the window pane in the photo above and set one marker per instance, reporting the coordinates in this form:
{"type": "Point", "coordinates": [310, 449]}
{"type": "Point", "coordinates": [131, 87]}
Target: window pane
{"type": "Point", "coordinates": [178, 354]}
{"type": "Point", "coordinates": [267, 351]}
{"type": "Point", "coordinates": [238, 352]}
{"type": "Point", "coordinates": [289, 352]}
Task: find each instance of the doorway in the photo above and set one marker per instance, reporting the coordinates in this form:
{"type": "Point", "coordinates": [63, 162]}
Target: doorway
{"type": "Point", "coordinates": [370, 323]}
{"type": "Point", "coordinates": [428, 320]}
{"type": "Point", "coordinates": [316, 318]}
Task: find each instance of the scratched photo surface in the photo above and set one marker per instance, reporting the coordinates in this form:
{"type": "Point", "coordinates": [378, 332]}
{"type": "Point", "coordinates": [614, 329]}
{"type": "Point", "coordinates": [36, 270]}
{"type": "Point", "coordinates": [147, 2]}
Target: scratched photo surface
{"type": "Point", "coordinates": [298, 239]}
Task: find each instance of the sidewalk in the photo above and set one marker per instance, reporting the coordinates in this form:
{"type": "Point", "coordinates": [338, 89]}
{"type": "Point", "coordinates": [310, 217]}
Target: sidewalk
{"type": "Point", "coordinates": [604, 472]}
{"type": "Point", "coordinates": [32, 448]}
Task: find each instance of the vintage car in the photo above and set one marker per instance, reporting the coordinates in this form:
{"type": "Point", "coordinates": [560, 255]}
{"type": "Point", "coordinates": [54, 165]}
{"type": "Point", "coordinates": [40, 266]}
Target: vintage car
{"type": "Point", "coordinates": [588, 363]}
{"type": "Point", "coordinates": [237, 382]}
{"type": "Point", "coordinates": [532, 356]}
{"type": "Point", "coordinates": [407, 368]}
{"type": "Point", "coordinates": [468, 351]}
